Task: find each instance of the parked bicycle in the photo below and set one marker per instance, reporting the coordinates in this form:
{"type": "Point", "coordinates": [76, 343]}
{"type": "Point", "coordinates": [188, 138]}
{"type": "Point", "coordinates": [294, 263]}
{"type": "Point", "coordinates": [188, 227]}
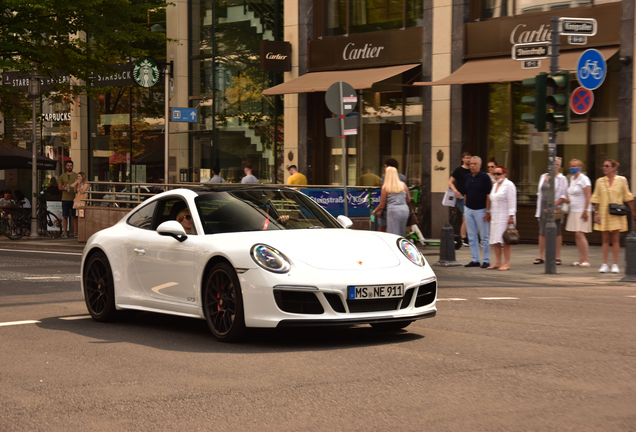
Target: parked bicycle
{"type": "Point", "coordinates": [17, 223]}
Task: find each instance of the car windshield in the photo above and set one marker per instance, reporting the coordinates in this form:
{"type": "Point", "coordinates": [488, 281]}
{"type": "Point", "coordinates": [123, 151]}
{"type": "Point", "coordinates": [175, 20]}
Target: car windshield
{"type": "Point", "coordinates": [260, 210]}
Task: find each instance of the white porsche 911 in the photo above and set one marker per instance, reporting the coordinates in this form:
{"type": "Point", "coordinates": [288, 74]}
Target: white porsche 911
{"type": "Point", "coordinates": [254, 256]}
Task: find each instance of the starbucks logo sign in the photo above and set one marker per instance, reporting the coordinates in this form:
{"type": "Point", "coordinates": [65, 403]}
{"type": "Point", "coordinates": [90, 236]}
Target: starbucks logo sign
{"type": "Point", "coordinates": [146, 72]}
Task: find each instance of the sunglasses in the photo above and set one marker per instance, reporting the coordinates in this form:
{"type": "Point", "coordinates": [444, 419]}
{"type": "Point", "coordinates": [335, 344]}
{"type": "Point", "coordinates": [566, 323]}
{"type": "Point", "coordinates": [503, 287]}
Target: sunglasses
{"type": "Point", "coordinates": [491, 166]}
{"type": "Point", "coordinates": [607, 166]}
{"type": "Point", "coordinates": [188, 217]}
{"type": "Point", "coordinates": [497, 173]}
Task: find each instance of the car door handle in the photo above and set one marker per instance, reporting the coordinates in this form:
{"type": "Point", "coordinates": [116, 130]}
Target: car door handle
{"type": "Point", "coordinates": [139, 251]}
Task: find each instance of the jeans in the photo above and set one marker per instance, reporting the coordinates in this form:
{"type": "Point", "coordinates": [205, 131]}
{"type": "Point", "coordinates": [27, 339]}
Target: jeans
{"type": "Point", "coordinates": [475, 224]}
{"type": "Point", "coordinates": [459, 203]}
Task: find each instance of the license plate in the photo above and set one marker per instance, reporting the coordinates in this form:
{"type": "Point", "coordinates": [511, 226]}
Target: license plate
{"type": "Point", "coordinates": [365, 292]}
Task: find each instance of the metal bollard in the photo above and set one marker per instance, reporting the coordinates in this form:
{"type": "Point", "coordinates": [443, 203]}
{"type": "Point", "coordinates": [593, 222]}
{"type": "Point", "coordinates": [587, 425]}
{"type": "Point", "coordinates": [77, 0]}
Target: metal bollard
{"type": "Point", "coordinates": [630, 258]}
{"type": "Point", "coordinates": [447, 248]}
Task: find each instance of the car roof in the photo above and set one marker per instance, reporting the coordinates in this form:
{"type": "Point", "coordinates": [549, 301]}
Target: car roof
{"type": "Point", "coordinates": [225, 187]}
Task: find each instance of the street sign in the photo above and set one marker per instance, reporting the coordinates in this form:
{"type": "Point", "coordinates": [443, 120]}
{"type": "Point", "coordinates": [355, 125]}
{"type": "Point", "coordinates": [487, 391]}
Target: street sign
{"type": "Point", "coordinates": [577, 26]}
{"type": "Point", "coordinates": [531, 51]}
{"type": "Point", "coordinates": [337, 105]}
{"type": "Point", "coordinates": [581, 100]}
{"type": "Point", "coordinates": [577, 40]}
{"type": "Point", "coordinates": [591, 69]}
{"type": "Point", "coordinates": [531, 64]}
{"type": "Point", "coordinates": [188, 115]}
{"type": "Point", "coordinates": [333, 126]}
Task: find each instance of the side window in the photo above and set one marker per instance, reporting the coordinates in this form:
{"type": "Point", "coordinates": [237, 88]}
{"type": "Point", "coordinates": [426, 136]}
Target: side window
{"type": "Point", "coordinates": [169, 209]}
{"type": "Point", "coordinates": [142, 218]}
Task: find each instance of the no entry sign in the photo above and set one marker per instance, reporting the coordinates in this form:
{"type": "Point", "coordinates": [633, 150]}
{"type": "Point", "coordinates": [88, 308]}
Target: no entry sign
{"type": "Point", "coordinates": [581, 100]}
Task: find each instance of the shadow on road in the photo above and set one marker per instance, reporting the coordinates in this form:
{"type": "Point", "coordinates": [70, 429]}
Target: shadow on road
{"type": "Point", "coordinates": [173, 333]}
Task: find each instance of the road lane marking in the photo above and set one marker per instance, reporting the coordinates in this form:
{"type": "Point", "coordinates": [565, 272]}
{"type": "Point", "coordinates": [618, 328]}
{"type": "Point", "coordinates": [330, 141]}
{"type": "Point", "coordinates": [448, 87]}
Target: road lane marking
{"type": "Point", "coordinates": [49, 277]}
{"type": "Point", "coordinates": [498, 298]}
{"type": "Point", "coordinates": [631, 296]}
{"type": "Point", "coordinates": [18, 323]}
{"type": "Point", "coordinates": [71, 318]}
{"type": "Point", "coordinates": [41, 252]}
{"type": "Point", "coordinates": [450, 299]}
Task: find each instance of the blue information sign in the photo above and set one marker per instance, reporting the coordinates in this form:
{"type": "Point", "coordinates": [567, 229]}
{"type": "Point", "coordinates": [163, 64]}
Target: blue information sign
{"type": "Point", "coordinates": [591, 69]}
{"type": "Point", "coordinates": [332, 200]}
{"type": "Point", "coordinates": [184, 115]}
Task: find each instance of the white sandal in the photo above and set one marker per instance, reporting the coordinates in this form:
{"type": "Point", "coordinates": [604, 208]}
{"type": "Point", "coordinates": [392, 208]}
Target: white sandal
{"type": "Point", "coordinates": [585, 264]}
{"type": "Point", "coordinates": [576, 264]}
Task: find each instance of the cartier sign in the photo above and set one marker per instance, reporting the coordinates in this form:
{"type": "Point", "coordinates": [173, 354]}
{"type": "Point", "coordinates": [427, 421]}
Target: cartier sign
{"type": "Point", "coordinates": [275, 56]}
{"type": "Point", "coordinates": [386, 48]}
{"type": "Point", "coordinates": [496, 37]}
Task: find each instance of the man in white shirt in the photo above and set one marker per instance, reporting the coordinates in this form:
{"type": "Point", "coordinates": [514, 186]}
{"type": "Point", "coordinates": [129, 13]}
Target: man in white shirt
{"type": "Point", "coordinates": [249, 177]}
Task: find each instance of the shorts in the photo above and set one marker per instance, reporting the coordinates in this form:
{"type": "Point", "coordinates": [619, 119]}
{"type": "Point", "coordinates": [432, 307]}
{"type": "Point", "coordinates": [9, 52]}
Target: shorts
{"type": "Point", "coordinates": [67, 208]}
{"type": "Point", "coordinates": [381, 221]}
{"type": "Point", "coordinates": [459, 203]}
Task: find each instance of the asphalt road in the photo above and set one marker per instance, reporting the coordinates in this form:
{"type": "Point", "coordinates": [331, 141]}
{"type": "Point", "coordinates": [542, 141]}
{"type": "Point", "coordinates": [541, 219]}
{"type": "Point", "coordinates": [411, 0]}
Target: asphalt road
{"type": "Point", "coordinates": [500, 355]}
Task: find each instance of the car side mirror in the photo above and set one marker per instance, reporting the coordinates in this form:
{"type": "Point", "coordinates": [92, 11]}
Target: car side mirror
{"type": "Point", "coordinates": [345, 221]}
{"type": "Point", "coordinates": [172, 229]}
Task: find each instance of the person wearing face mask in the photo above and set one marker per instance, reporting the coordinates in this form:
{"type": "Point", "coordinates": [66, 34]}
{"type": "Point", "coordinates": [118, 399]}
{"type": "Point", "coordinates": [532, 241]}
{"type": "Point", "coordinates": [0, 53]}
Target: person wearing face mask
{"type": "Point", "coordinates": [503, 209]}
{"type": "Point", "coordinates": [560, 194]}
{"type": "Point", "coordinates": [579, 218]}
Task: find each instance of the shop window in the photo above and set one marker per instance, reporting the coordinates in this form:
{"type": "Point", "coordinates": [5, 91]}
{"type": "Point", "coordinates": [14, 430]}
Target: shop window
{"type": "Point", "coordinates": [481, 10]}
{"type": "Point", "coordinates": [361, 16]}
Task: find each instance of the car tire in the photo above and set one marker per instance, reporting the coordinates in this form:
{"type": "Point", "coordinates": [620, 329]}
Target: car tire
{"type": "Point", "coordinates": [390, 326]}
{"type": "Point", "coordinates": [223, 303]}
{"type": "Point", "coordinates": [99, 288]}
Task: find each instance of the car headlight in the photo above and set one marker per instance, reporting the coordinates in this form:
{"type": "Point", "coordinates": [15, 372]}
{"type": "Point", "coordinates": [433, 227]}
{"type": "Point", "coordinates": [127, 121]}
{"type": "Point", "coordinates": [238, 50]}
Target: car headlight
{"type": "Point", "coordinates": [270, 259]}
{"type": "Point", "coordinates": [410, 251]}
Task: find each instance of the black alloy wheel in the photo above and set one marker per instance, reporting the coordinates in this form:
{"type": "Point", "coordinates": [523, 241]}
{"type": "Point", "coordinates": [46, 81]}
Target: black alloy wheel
{"type": "Point", "coordinates": [223, 303]}
{"type": "Point", "coordinates": [99, 289]}
{"type": "Point", "coordinates": [390, 326]}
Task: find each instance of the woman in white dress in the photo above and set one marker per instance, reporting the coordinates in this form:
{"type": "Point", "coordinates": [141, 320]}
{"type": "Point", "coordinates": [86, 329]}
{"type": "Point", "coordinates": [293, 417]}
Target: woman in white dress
{"type": "Point", "coordinates": [580, 216]}
{"type": "Point", "coordinates": [503, 209]}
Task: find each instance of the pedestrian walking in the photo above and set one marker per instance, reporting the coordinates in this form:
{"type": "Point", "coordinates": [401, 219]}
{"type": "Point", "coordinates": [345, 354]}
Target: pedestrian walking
{"type": "Point", "coordinates": [560, 194]}
{"type": "Point", "coordinates": [611, 189]}
{"type": "Point", "coordinates": [216, 178]}
{"type": "Point", "coordinates": [503, 211]}
{"type": "Point", "coordinates": [394, 198]}
{"type": "Point", "coordinates": [249, 177]}
{"type": "Point", "coordinates": [296, 178]}
{"type": "Point", "coordinates": [457, 182]}
{"type": "Point", "coordinates": [477, 212]}
{"type": "Point", "coordinates": [579, 215]}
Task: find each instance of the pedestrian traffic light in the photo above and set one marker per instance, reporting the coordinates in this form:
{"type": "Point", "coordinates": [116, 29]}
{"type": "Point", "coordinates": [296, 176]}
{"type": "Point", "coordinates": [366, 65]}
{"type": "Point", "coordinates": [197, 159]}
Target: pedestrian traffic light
{"type": "Point", "coordinates": [537, 100]}
{"type": "Point", "coordinates": [559, 101]}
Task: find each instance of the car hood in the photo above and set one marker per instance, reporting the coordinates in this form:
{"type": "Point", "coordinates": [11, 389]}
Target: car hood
{"type": "Point", "coordinates": [337, 249]}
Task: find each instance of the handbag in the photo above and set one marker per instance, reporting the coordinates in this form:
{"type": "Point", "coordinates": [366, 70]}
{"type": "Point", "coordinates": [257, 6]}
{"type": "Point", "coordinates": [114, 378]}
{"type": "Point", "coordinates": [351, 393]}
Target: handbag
{"type": "Point", "coordinates": [412, 220]}
{"type": "Point", "coordinates": [78, 203]}
{"type": "Point", "coordinates": [449, 198]}
{"type": "Point", "coordinates": [618, 209]}
{"type": "Point", "coordinates": [511, 236]}
{"type": "Point", "coordinates": [558, 214]}
{"type": "Point", "coordinates": [565, 208]}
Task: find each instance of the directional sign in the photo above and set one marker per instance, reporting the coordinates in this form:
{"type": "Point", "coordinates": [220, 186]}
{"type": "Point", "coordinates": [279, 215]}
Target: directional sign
{"type": "Point", "coordinates": [581, 100]}
{"type": "Point", "coordinates": [531, 51]}
{"type": "Point", "coordinates": [188, 115]}
{"type": "Point", "coordinates": [591, 69]}
{"type": "Point", "coordinates": [577, 26]}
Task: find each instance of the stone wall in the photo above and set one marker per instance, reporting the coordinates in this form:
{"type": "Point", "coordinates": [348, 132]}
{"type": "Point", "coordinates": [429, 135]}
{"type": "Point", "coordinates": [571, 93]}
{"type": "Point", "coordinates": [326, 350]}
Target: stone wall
{"type": "Point", "coordinates": [98, 218]}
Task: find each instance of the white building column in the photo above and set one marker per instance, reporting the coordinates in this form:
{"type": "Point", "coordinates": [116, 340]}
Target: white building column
{"type": "Point", "coordinates": [290, 111]}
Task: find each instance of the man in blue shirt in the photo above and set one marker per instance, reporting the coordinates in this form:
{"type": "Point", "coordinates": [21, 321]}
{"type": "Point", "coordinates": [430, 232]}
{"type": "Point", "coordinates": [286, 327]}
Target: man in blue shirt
{"type": "Point", "coordinates": [477, 213]}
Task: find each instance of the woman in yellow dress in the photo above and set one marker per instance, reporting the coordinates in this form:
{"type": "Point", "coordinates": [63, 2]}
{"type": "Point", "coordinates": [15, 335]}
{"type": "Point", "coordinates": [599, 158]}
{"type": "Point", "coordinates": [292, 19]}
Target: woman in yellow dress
{"type": "Point", "coordinates": [612, 189]}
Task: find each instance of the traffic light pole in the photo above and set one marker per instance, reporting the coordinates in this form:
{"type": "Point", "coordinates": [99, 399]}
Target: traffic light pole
{"type": "Point", "coordinates": [550, 229]}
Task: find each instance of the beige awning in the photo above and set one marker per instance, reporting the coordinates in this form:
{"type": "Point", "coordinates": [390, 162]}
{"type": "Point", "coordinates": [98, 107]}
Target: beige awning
{"type": "Point", "coordinates": [504, 69]}
{"type": "Point", "coordinates": [320, 81]}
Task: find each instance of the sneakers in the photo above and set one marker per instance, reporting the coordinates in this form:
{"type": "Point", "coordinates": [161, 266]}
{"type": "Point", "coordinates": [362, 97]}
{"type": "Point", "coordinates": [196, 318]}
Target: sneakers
{"type": "Point", "coordinates": [485, 264]}
{"type": "Point", "coordinates": [473, 264]}
{"type": "Point", "coordinates": [465, 242]}
{"type": "Point", "coordinates": [605, 268]}
{"type": "Point", "coordinates": [615, 268]}
{"type": "Point", "coordinates": [75, 234]}
{"type": "Point", "coordinates": [65, 234]}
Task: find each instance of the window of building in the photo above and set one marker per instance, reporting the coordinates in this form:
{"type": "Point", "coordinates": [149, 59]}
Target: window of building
{"type": "Point", "coordinates": [481, 10]}
{"type": "Point", "coordinates": [361, 16]}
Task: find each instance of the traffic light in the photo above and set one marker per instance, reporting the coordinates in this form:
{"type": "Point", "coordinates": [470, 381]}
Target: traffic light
{"type": "Point", "coordinates": [559, 101]}
{"type": "Point", "coordinates": [536, 100]}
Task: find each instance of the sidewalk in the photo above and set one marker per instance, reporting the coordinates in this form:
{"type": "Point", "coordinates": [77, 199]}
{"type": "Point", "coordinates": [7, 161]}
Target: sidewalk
{"type": "Point", "coordinates": [43, 243]}
{"type": "Point", "coordinates": [522, 267]}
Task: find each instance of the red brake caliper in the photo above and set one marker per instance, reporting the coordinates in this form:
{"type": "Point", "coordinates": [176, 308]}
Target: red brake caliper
{"type": "Point", "coordinates": [218, 304]}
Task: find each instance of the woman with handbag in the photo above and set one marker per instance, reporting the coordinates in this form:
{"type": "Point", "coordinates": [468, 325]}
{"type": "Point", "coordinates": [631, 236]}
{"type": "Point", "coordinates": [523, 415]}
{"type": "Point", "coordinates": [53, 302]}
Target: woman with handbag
{"type": "Point", "coordinates": [560, 194]}
{"type": "Point", "coordinates": [503, 208]}
{"type": "Point", "coordinates": [579, 217]}
{"type": "Point", "coordinates": [394, 201]}
{"type": "Point", "coordinates": [80, 186]}
{"type": "Point", "coordinates": [610, 194]}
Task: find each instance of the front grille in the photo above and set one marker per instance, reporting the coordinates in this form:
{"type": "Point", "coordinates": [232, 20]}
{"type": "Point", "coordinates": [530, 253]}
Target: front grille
{"type": "Point", "coordinates": [406, 301]}
{"type": "Point", "coordinates": [335, 302]}
{"type": "Point", "coordinates": [298, 302]}
{"type": "Point", "coordinates": [374, 305]}
{"type": "Point", "coordinates": [426, 294]}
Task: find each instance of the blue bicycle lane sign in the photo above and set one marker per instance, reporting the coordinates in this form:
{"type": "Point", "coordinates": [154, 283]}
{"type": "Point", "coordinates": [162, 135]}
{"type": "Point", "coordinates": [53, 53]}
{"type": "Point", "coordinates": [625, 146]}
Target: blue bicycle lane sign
{"type": "Point", "coordinates": [591, 69]}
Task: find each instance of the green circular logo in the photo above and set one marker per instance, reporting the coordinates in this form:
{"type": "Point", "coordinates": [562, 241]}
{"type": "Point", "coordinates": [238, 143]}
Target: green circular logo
{"type": "Point", "coordinates": [146, 72]}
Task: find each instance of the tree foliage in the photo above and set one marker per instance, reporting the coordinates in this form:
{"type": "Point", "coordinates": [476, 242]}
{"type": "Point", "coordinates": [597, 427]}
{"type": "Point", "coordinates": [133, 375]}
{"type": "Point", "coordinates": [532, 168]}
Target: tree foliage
{"type": "Point", "coordinates": [76, 37]}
